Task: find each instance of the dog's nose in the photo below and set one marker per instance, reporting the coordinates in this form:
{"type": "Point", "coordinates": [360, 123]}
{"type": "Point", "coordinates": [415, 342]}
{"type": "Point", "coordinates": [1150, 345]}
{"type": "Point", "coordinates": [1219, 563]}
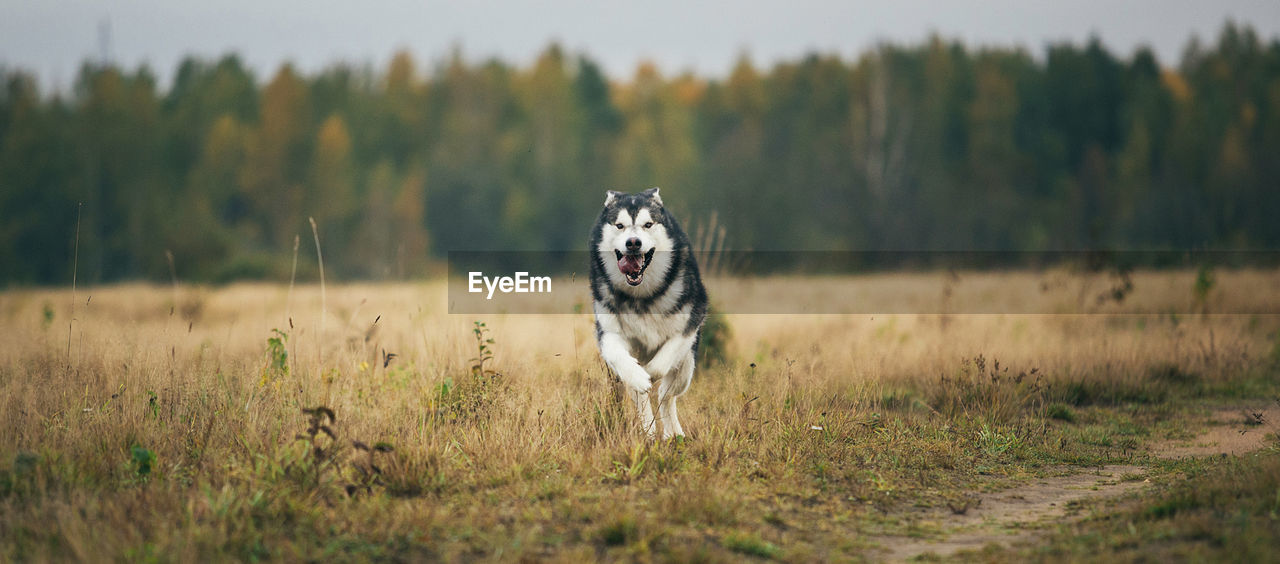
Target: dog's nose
{"type": "Point", "coordinates": [633, 244]}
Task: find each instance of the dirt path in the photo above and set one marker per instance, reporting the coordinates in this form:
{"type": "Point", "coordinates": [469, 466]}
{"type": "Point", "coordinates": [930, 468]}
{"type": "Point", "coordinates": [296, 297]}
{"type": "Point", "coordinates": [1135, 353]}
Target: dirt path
{"type": "Point", "coordinates": [1233, 431]}
{"type": "Point", "coordinates": [1019, 514]}
{"type": "Point", "coordinates": [1014, 514]}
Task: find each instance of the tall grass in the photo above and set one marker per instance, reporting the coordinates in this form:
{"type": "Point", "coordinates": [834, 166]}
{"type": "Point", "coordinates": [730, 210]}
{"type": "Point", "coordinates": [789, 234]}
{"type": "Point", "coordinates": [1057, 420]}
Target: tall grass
{"type": "Point", "coordinates": [813, 428]}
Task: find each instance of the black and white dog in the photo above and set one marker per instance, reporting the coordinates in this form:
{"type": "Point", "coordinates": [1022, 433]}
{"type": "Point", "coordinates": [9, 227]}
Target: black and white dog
{"type": "Point", "coordinates": [649, 302]}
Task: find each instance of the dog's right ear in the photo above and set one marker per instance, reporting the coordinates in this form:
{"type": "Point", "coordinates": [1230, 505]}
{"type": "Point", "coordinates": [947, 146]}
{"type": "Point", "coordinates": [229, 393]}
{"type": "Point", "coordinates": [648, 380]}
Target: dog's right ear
{"type": "Point", "coordinates": [612, 195]}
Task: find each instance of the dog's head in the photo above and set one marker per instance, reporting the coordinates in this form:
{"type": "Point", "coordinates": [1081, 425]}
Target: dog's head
{"type": "Point", "coordinates": [634, 233]}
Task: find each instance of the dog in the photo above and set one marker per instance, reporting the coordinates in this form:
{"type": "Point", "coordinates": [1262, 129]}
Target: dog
{"type": "Point", "coordinates": [649, 302]}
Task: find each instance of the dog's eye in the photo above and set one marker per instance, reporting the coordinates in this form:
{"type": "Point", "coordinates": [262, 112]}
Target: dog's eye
{"type": "Point", "coordinates": [618, 225]}
{"type": "Point", "coordinates": [648, 225]}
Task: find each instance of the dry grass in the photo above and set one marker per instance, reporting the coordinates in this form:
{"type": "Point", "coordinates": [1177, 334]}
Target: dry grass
{"type": "Point", "coordinates": [817, 432]}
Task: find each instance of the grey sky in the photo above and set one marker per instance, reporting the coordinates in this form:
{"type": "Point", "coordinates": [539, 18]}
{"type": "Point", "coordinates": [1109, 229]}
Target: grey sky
{"type": "Point", "coordinates": [52, 37]}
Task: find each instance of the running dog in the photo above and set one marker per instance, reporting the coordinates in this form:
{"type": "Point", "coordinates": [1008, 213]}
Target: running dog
{"type": "Point", "coordinates": [648, 300]}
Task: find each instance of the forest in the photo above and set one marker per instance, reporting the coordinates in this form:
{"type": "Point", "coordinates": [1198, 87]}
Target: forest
{"type": "Point", "coordinates": [936, 146]}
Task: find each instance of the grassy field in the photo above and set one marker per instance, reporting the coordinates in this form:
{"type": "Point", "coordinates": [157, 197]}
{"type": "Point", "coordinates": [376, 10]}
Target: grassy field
{"type": "Point", "coordinates": [156, 423]}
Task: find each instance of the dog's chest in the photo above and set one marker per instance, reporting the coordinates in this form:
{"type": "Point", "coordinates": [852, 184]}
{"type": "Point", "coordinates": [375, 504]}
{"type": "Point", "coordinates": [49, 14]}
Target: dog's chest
{"type": "Point", "coordinates": [647, 332]}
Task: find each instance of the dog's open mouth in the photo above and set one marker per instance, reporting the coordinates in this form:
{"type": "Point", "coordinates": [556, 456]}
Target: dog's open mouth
{"type": "Point", "coordinates": [632, 265]}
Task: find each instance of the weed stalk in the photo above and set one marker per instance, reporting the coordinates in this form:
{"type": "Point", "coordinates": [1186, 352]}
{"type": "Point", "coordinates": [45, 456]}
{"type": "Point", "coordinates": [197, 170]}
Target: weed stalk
{"type": "Point", "coordinates": [75, 265]}
{"type": "Point", "coordinates": [315, 232]}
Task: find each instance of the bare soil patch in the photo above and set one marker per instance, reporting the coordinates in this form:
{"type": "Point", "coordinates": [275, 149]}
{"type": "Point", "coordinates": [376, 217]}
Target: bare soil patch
{"type": "Point", "coordinates": [1233, 431]}
{"type": "Point", "coordinates": [1014, 514]}
{"type": "Point", "coordinates": [1017, 514]}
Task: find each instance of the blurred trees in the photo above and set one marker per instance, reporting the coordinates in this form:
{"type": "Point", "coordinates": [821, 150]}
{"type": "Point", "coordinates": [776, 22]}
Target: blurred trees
{"type": "Point", "coordinates": [924, 147]}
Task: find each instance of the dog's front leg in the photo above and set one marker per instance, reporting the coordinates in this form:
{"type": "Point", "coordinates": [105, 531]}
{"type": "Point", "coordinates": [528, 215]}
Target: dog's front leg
{"type": "Point", "coordinates": [670, 355]}
{"type": "Point", "coordinates": [616, 354]}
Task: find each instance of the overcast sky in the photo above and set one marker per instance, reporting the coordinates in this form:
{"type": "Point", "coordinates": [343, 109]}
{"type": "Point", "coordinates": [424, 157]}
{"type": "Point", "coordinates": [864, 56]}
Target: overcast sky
{"type": "Point", "coordinates": [52, 37]}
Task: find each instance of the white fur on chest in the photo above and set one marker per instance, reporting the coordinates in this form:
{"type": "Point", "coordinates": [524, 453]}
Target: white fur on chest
{"type": "Point", "coordinates": [650, 331]}
{"type": "Point", "coordinates": [644, 333]}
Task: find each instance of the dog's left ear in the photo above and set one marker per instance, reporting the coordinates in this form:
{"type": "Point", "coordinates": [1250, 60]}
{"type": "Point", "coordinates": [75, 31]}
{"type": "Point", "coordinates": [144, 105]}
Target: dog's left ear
{"type": "Point", "coordinates": [611, 195]}
{"type": "Point", "coordinates": [653, 193]}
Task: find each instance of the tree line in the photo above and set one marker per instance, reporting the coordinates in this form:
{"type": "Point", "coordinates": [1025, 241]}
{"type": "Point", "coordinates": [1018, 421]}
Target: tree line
{"type": "Point", "coordinates": [934, 146]}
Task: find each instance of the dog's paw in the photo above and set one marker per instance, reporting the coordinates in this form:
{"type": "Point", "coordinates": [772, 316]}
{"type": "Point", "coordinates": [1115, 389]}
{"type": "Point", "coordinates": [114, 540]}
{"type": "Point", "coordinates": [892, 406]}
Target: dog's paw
{"type": "Point", "coordinates": [637, 380]}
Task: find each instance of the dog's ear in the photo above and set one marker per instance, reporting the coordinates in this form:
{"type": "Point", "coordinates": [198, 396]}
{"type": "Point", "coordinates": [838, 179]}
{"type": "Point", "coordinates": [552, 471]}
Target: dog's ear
{"type": "Point", "coordinates": [611, 195]}
{"type": "Point", "coordinates": [653, 194]}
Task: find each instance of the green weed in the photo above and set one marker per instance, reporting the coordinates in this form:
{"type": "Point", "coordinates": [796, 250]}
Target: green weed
{"type": "Point", "coordinates": [751, 544]}
{"type": "Point", "coordinates": [621, 531]}
{"type": "Point", "coordinates": [143, 460]}
{"type": "Point", "coordinates": [277, 362]}
{"type": "Point", "coordinates": [631, 465]}
{"type": "Point", "coordinates": [471, 397]}
{"type": "Point", "coordinates": [1203, 286]}
{"type": "Point", "coordinates": [1061, 412]}
{"type": "Point", "coordinates": [994, 442]}
{"type": "Point", "coordinates": [484, 353]}
{"type": "Point", "coordinates": [713, 344]}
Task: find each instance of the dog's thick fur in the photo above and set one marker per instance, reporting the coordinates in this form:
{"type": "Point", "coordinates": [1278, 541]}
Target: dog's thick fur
{"type": "Point", "coordinates": [649, 302]}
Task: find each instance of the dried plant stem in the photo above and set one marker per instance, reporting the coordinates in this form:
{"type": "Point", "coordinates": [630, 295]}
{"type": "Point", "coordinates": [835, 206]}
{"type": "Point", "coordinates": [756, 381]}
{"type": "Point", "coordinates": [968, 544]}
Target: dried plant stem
{"type": "Point", "coordinates": [75, 265]}
{"type": "Point", "coordinates": [173, 275]}
{"type": "Point", "coordinates": [315, 232]}
{"type": "Point", "coordinates": [293, 274]}
{"type": "Point", "coordinates": [708, 245]}
{"type": "Point", "coordinates": [288, 302]}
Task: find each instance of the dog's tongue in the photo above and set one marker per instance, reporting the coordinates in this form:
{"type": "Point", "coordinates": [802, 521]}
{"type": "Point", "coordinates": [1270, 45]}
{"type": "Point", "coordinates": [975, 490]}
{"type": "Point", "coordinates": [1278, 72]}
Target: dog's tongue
{"type": "Point", "coordinates": [630, 264]}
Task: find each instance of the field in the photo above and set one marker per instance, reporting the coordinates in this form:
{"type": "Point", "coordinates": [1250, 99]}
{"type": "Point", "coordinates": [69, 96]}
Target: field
{"type": "Point", "coordinates": [248, 422]}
